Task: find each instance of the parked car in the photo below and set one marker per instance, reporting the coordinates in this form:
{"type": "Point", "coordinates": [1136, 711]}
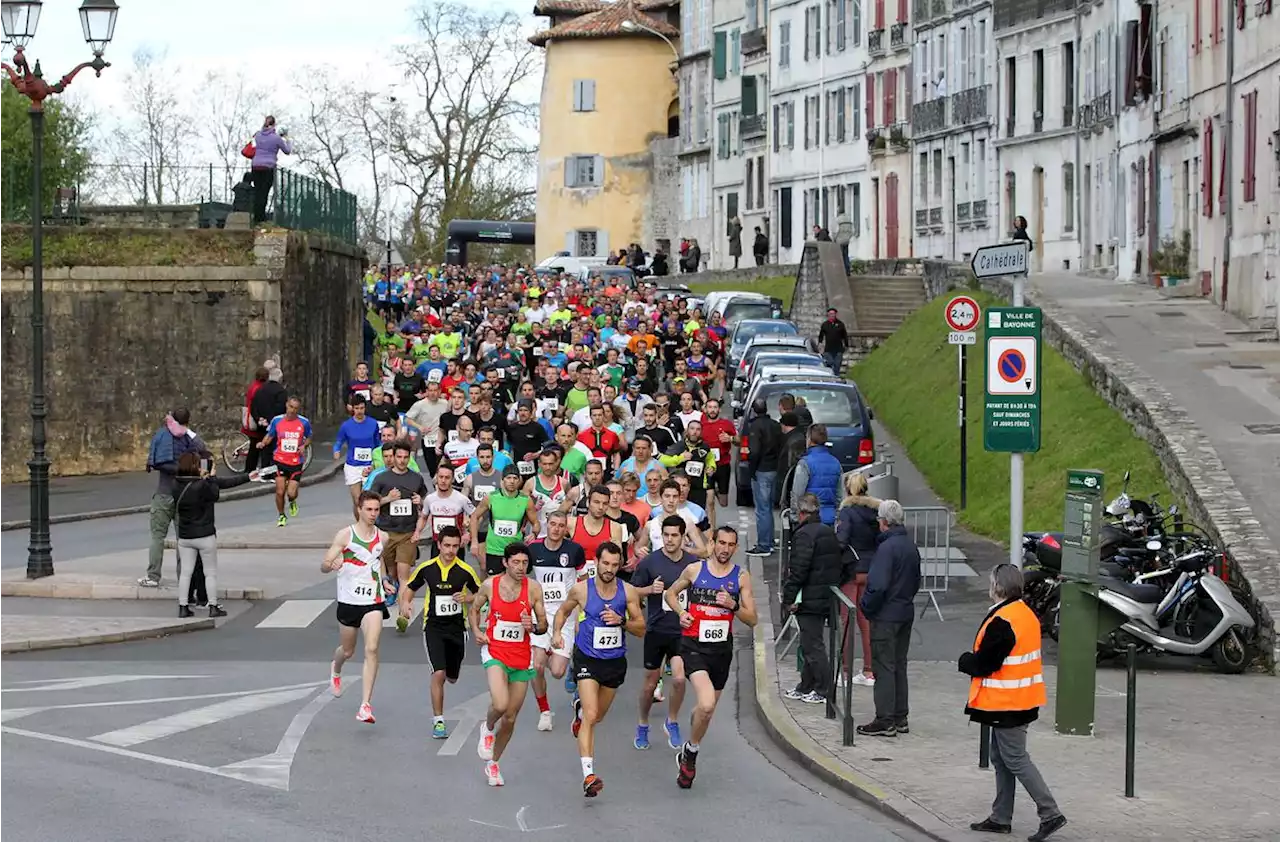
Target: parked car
{"type": "Point", "coordinates": [569, 265]}
{"type": "Point", "coordinates": [762, 355]}
{"type": "Point", "coordinates": [622, 274]}
{"type": "Point", "coordinates": [748, 329]}
{"type": "Point", "coordinates": [748, 306]}
{"type": "Point", "coordinates": [831, 401]}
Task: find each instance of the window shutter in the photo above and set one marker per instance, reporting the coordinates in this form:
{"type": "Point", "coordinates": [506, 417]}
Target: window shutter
{"type": "Point", "coordinates": [891, 96]}
{"type": "Point", "coordinates": [902, 11]}
{"type": "Point", "coordinates": [879, 21]}
{"type": "Point", "coordinates": [1222, 179]}
{"type": "Point", "coordinates": [808, 26]}
{"type": "Point", "coordinates": [777, 127]}
{"type": "Point", "coordinates": [1215, 23]}
{"type": "Point", "coordinates": [597, 170]}
{"type": "Point", "coordinates": [1206, 163]}
{"type": "Point", "coordinates": [571, 243]}
{"type": "Point", "coordinates": [602, 243]}
{"type": "Point", "coordinates": [806, 122]}
{"type": "Point", "coordinates": [577, 94]}
{"type": "Point", "coordinates": [749, 104]}
{"type": "Point", "coordinates": [571, 171]}
{"type": "Point", "coordinates": [871, 102]}
{"type": "Point", "coordinates": [1250, 146]}
{"type": "Point", "coordinates": [720, 55]}
{"type": "Point", "coordinates": [791, 125]}
{"type": "Point", "coordinates": [1195, 26]}
{"type": "Point", "coordinates": [909, 74]}
{"type": "Point", "coordinates": [817, 30]}
{"type": "Point", "coordinates": [1240, 14]}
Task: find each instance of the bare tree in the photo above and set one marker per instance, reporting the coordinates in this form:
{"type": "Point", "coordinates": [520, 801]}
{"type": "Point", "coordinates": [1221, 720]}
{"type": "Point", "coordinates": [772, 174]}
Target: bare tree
{"type": "Point", "coordinates": [464, 146]}
{"type": "Point", "coordinates": [226, 117]}
{"type": "Point", "coordinates": [149, 153]}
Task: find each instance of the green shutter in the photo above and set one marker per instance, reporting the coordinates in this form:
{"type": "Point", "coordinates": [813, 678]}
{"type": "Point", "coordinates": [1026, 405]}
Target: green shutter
{"type": "Point", "coordinates": [720, 55]}
{"type": "Point", "coordinates": [749, 96]}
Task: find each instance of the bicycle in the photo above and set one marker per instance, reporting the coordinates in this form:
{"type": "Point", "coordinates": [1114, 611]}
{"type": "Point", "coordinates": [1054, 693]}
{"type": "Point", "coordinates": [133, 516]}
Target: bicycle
{"type": "Point", "coordinates": [235, 450]}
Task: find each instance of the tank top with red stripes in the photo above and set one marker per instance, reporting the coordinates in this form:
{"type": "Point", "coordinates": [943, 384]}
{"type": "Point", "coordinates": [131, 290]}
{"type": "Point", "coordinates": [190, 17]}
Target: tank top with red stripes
{"type": "Point", "coordinates": [508, 639]}
{"type": "Point", "coordinates": [590, 543]}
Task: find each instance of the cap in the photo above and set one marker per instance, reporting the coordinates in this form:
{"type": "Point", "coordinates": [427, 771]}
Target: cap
{"type": "Point", "coordinates": [634, 383]}
{"type": "Point", "coordinates": [510, 471]}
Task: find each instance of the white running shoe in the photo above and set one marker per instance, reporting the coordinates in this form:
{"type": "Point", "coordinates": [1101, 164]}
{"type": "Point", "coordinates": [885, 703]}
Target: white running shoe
{"type": "Point", "coordinates": [544, 720]}
{"type": "Point", "coordinates": [657, 692]}
{"type": "Point", "coordinates": [484, 748]}
{"type": "Point", "coordinates": [863, 680]}
{"type": "Point", "coordinates": [365, 714]}
{"type": "Point", "coordinates": [335, 681]}
{"type": "Point", "coordinates": [493, 775]}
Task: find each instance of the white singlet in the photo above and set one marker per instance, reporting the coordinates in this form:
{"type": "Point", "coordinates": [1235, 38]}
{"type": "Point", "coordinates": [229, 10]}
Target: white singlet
{"type": "Point", "coordinates": [359, 578]}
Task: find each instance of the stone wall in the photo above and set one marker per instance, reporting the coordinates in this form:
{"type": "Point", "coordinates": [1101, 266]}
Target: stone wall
{"type": "Point", "coordinates": [139, 216]}
{"type": "Point", "coordinates": [1189, 461]}
{"type": "Point", "coordinates": [126, 343]}
{"type": "Point", "coordinates": [730, 278]}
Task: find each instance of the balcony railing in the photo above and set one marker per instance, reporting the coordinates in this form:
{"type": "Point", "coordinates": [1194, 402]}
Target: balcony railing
{"type": "Point", "coordinates": [922, 219]}
{"type": "Point", "coordinates": [755, 41]}
{"type": "Point", "coordinates": [753, 125]}
{"type": "Point", "coordinates": [935, 217]}
{"type": "Point", "coordinates": [1085, 117]}
{"type": "Point", "coordinates": [898, 134]}
{"type": "Point", "coordinates": [940, 8]}
{"type": "Point", "coordinates": [920, 11]}
{"type": "Point", "coordinates": [1068, 116]}
{"type": "Point", "coordinates": [929, 116]}
{"type": "Point", "coordinates": [1017, 12]}
{"type": "Point", "coordinates": [979, 210]}
{"type": "Point", "coordinates": [1102, 106]}
{"type": "Point", "coordinates": [969, 106]}
{"type": "Point", "coordinates": [875, 42]}
{"type": "Point", "coordinates": [898, 36]}
{"type": "Point", "coordinates": [962, 213]}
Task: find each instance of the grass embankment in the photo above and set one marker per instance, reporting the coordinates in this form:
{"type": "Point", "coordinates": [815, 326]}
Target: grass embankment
{"type": "Point", "coordinates": [85, 246]}
{"type": "Point", "coordinates": [910, 381]}
{"type": "Point", "coordinates": [783, 287]}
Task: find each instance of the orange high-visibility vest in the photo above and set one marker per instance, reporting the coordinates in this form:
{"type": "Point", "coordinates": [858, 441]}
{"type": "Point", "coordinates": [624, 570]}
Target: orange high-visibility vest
{"type": "Point", "coordinates": [1019, 683]}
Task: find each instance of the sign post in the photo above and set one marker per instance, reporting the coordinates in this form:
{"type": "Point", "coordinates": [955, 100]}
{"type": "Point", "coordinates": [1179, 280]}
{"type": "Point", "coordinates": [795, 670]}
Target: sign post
{"type": "Point", "coordinates": [1011, 406]}
{"type": "Point", "coordinates": [962, 316]}
{"type": "Point", "coordinates": [1078, 609]}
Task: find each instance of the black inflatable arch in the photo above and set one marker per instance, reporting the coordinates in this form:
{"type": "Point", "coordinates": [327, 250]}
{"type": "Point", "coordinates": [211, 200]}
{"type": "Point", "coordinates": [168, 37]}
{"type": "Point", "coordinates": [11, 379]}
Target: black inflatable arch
{"type": "Point", "coordinates": [461, 232]}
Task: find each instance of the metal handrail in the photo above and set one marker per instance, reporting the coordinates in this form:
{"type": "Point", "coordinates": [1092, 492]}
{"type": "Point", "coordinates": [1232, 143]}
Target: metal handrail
{"type": "Point", "coordinates": [836, 656]}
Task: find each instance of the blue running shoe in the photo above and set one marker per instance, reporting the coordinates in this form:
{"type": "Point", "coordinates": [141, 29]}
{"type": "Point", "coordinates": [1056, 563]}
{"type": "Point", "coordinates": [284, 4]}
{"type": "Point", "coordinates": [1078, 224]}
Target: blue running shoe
{"type": "Point", "coordinates": [673, 734]}
{"type": "Point", "coordinates": [391, 594]}
{"type": "Point", "coordinates": [642, 738]}
{"type": "Point", "coordinates": [438, 731]}
{"type": "Point", "coordinates": [570, 686]}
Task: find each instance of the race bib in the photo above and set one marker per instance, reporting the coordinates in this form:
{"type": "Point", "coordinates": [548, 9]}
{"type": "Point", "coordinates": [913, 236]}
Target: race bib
{"type": "Point", "coordinates": [479, 492]}
{"type": "Point", "coordinates": [401, 508]}
{"type": "Point", "coordinates": [506, 528]}
{"type": "Point", "coordinates": [381, 424]}
{"type": "Point", "coordinates": [507, 631]}
{"type": "Point", "coordinates": [693, 469]}
{"type": "Point", "coordinates": [526, 468]}
{"type": "Point", "coordinates": [460, 473]}
{"type": "Point", "coordinates": [288, 445]}
{"type": "Point", "coordinates": [364, 393]}
{"type": "Point", "coordinates": [439, 522]}
{"type": "Point", "coordinates": [363, 454]}
{"type": "Point", "coordinates": [453, 436]}
{"type": "Point", "coordinates": [434, 375]}
{"type": "Point", "coordinates": [547, 406]}
{"type": "Point", "coordinates": [447, 606]}
{"type": "Point", "coordinates": [431, 439]}
{"type": "Point", "coordinates": [713, 631]}
{"type": "Point", "coordinates": [589, 570]}
{"type": "Point", "coordinates": [682, 599]}
{"type": "Point", "coordinates": [553, 593]}
{"type": "Point", "coordinates": [537, 352]}
{"type": "Point", "coordinates": [607, 637]}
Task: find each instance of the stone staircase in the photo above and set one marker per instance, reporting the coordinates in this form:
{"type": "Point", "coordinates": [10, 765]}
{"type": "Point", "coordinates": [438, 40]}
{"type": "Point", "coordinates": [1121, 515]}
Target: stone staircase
{"type": "Point", "coordinates": [882, 302]}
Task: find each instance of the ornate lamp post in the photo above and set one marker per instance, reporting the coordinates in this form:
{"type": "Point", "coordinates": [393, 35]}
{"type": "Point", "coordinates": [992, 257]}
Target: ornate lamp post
{"type": "Point", "coordinates": [19, 18]}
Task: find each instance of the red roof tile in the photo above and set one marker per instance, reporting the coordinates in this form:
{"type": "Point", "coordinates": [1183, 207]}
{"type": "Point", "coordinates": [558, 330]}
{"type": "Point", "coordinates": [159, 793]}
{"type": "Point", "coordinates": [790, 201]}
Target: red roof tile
{"type": "Point", "coordinates": [606, 22]}
{"type": "Point", "coordinates": [568, 7]}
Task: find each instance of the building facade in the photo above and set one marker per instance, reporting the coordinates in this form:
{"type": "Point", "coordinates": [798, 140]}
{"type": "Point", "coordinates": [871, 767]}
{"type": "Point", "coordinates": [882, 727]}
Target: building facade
{"type": "Point", "coordinates": [887, 97]}
{"type": "Point", "coordinates": [696, 125]}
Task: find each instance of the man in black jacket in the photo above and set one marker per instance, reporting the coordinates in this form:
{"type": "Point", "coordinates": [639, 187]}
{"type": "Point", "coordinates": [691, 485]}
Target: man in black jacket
{"type": "Point", "coordinates": [793, 447]}
{"type": "Point", "coordinates": [833, 336]}
{"type": "Point", "coordinates": [764, 443]}
{"type": "Point", "coordinates": [816, 560]}
{"type": "Point", "coordinates": [270, 399]}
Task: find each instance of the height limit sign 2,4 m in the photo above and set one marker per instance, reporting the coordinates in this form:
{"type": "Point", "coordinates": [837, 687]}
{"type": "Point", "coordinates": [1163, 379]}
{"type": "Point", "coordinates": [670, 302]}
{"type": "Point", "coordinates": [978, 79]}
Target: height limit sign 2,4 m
{"type": "Point", "coordinates": [1011, 406]}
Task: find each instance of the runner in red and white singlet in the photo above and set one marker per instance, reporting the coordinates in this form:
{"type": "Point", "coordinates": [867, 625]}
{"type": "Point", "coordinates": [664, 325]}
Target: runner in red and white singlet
{"type": "Point", "coordinates": [594, 528]}
{"type": "Point", "coordinates": [291, 435]}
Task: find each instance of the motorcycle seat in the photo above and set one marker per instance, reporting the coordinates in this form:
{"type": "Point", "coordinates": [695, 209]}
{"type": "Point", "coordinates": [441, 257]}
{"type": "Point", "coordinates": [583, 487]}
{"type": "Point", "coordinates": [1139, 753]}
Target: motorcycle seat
{"type": "Point", "coordinates": [1145, 594]}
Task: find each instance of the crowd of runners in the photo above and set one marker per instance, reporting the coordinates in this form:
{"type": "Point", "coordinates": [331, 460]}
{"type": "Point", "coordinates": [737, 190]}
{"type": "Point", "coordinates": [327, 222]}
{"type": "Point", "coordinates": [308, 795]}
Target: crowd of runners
{"type": "Point", "coordinates": [539, 459]}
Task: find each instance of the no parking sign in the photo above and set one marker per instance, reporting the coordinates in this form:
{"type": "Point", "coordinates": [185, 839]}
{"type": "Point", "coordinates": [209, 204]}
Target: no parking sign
{"type": "Point", "coordinates": [1011, 406]}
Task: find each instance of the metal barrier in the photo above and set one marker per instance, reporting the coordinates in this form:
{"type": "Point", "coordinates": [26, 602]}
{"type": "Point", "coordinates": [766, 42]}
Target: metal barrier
{"type": "Point", "coordinates": [309, 204]}
{"type": "Point", "coordinates": [838, 637]}
{"type": "Point", "coordinates": [930, 530]}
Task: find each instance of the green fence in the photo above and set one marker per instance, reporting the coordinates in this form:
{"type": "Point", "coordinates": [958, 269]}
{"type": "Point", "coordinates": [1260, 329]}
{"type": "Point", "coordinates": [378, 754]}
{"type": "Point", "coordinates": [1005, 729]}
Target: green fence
{"type": "Point", "coordinates": [308, 204]}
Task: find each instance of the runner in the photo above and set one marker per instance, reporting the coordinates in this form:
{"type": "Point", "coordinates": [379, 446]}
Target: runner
{"type": "Point", "coordinates": [291, 434]}
{"type": "Point", "coordinates": [515, 612]}
{"type": "Point", "coordinates": [356, 554]}
{"type": "Point", "coordinates": [594, 529]}
{"type": "Point", "coordinates": [663, 634]}
{"type": "Point", "coordinates": [548, 489]}
{"type": "Point", "coordinates": [401, 493]}
{"type": "Point", "coordinates": [607, 606]}
{"type": "Point", "coordinates": [451, 583]}
{"type": "Point", "coordinates": [506, 513]}
{"type": "Point", "coordinates": [441, 508]}
{"type": "Point", "coordinates": [557, 563]}
{"type": "Point", "coordinates": [460, 449]}
{"type": "Point", "coordinates": [361, 436]}
{"type": "Point", "coordinates": [651, 536]}
{"type": "Point", "coordinates": [721, 434]}
{"type": "Point", "coordinates": [719, 591]}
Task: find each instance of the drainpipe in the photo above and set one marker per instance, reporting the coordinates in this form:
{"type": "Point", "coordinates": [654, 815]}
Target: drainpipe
{"type": "Point", "coordinates": [1153, 180]}
{"type": "Point", "coordinates": [1229, 211]}
{"type": "Point", "coordinates": [1079, 173]}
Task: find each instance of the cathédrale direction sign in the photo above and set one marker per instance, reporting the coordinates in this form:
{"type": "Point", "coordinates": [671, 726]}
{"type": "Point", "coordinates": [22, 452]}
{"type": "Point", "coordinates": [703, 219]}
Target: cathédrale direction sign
{"type": "Point", "coordinates": [1000, 260]}
{"type": "Point", "coordinates": [1011, 404]}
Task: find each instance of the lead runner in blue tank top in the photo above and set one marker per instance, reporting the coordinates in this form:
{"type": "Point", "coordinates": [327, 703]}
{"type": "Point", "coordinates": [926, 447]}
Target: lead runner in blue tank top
{"type": "Point", "coordinates": [608, 609]}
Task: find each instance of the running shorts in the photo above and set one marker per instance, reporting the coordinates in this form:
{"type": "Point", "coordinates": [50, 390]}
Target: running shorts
{"type": "Point", "coordinates": [352, 615]}
{"type": "Point", "coordinates": [607, 672]}
{"type": "Point", "coordinates": [494, 565]}
{"type": "Point", "coordinates": [446, 649]}
{"type": "Point", "coordinates": [289, 472]}
{"type": "Point", "coordinates": [722, 478]}
{"type": "Point", "coordinates": [399, 549]}
{"type": "Point", "coordinates": [543, 641]}
{"type": "Point", "coordinates": [715, 660]}
{"type": "Point", "coordinates": [659, 648]}
{"type": "Point", "coordinates": [352, 474]}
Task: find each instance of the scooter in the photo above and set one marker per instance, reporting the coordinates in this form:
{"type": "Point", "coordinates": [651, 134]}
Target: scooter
{"type": "Point", "coordinates": [1197, 615]}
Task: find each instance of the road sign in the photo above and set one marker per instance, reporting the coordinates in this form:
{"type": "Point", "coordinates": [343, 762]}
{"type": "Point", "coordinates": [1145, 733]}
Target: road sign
{"type": "Point", "coordinates": [1078, 609]}
{"type": "Point", "coordinates": [962, 337]}
{"type": "Point", "coordinates": [1011, 405]}
{"type": "Point", "coordinates": [1000, 260]}
{"type": "Point", "coordinates": [962, 314]}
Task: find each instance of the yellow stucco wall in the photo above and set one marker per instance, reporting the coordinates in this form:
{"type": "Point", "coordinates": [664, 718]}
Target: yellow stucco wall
{"type": "Point", "coordinates": [633, 92]}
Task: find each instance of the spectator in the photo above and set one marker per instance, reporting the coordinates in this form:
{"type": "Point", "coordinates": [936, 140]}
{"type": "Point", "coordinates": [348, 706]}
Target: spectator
{"type": "Point", "coordinates": [248, 423]}
{"type": "Point", "coordinates": [790, 453]}
{"type": "Point", "coordinates": [821, 234]}
{"type": "Point", "coordinates": [735, 240]}
{"type": "Point", "coordinates": [833, 336]}
{"type": "Point", "coordinates": [268, 402]}
{"type": "Point", "coordinates": [1020, 231]}
{"type": "Point", "coordinates": [695, 255]}
{"type": "Point", "coordinates": [889, 603]}
{"type": "Point", "coordinates": [818, 473]}
{"type": "Point", "coordinates": [788, 403]}
{"type": "Point", "coordinates": [844, 235]}
{"type": "Point", "coordinates": [196, 495]}
{"type": "Point", "coordinates": [816, 561]}
{"type": "Point", "coordinates": [169, 443]}
{"type": "Point", "coordinates": [760, 247]}
{"type": "Point", "coordinates": [1007, 692]}
{"type": "Point", "coordinates": [764, 441]}
{"type": "Point", "coordinates": [857, 529]}
{"type": "Point", "coordinates": [658, 266]}
{"type": "Point", "coordinates": [267, 145]}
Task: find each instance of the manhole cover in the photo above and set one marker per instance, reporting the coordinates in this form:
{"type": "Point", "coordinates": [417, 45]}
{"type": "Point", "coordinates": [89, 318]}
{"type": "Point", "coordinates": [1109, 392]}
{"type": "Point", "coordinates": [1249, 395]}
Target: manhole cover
{"type": "Point", "coordinates": [1245, 366]}
{"type": "Point", "coordinates": [1263, 429]}
{"type": "Point", "coordinates": [1211, 344]}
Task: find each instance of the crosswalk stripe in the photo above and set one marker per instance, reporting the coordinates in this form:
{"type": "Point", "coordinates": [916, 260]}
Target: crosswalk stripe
{"type": "Point", "coordinates": [295, 614]}
{"type": "Point", "coordinates": [187, 720]}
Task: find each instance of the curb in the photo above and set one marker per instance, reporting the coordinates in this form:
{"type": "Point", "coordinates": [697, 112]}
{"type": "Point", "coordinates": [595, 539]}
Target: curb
{"type": "Point", "coordinates": [170, 544]}
{"type": "Point", "coordinates": [44, 589]}
{"type": "Point", "coordinates": [254, 490]}
{"type": "Point", "coordinates": [806, 751]}
{"type": "Point", "coordinates": [38, 644]}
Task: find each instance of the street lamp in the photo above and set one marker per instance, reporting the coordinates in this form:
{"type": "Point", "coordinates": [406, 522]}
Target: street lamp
{"type": "Point", "coordinates": [633, 27]}
{"type": "Point", "coordinates": [19, 19]}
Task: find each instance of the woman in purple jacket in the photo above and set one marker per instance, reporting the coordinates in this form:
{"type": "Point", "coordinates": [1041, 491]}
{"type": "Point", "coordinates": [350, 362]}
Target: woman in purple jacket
{"type": "Point", "coordinates": [266, 146]}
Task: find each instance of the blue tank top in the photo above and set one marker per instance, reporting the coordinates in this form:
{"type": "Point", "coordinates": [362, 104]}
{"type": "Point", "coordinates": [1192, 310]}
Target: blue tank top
{"type": "Point", "coordinates": [594, 638]}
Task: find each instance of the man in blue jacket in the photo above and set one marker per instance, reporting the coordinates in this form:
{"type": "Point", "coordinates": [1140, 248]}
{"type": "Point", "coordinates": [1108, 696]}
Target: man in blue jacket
{"type": "Point", "coordinates": [889, 603]}
{"type": "Point", "coordinates": [818, 473]}
{"type": "Point", "coordinates": [169, 443]}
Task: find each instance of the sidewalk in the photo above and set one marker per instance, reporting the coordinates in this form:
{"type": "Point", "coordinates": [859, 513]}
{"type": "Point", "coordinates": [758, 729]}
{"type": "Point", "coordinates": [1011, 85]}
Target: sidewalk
{"type": "Point", "coordinates": [28, 632]}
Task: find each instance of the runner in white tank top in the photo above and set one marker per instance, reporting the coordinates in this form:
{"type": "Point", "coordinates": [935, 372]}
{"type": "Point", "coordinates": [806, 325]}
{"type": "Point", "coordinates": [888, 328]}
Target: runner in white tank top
{"type": "Point", "coordinates": [356, 556]}
{"type": "Point", "coordinates": [548, 492]}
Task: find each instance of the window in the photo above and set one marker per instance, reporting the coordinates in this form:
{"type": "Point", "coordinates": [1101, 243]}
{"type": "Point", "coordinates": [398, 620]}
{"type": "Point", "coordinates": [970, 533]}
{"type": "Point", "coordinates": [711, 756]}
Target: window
{"type": "Point", "coordinates": [722, 136]}
{"type": "Point", "coordinates": [923, 169]}
{"type": "Point", "coordinates": [750, 85]}
{"type": "Point", "coordinates": [812, 32]}
{"type": "Point", "coordinates": [1010, 200]}
{"type": "Point", "coordinates": [784, 44]}
{"type": "Point", "coordinates": [842, 25]}
{"type": "Point", "coordinates": [980, 35]}
{"type": "Point", "coordinates": [871, 103]}
{"type": "Point", "coordinates": [937, 174]}
{"type": "Point", "coordinates": [791, 125]}
{"type": "Point", "coordinates": [735, 51]}
{"type": "Point", "coordinates": [784, 217]}
{"type": "Point", "coordinates": [584, 94]}
{"type": "Point", "coordinates": [857, 209]}
{"type": "Point", "coordinates": [857, 20]}
{"type": "Point", "coordinates": [731, 205]}
{"type": "Point", "coordinates": [966, 173]}
{"type": "Point", "coordinates": [1206, 169]}
{"type": "Point", "coordinates": [816, 116]}
{"type": "Point", "coordinates": [891, 96]}
{"type": "Point", "coordinates": [1068, 198]}
{"type": "Point", "coordinates": [1037, 79]}
{"type": "Point", "coordinates": [1140, 190]}
{"type": "Point", "coordinates": [1068, 83]}
{"type": "Point", "coordinates": [583, 171]}
{"type": "Point", "coordinates": [1011, 94]}
{"type": "Point", "coordinates": [1250, 129]}
{"type": "Point", "coordinates": [962, 62]}
{"type": "Point", "coordinates": [855, 114]}
{"type": "Point", "coordinates": [751, 185]}
{"type": "Point", "coordinates": [753, 14]}
{"type": "Point", "coordinates": [840, 115]}
{"type": "Point", "coordinates": [720, 55]}
{"type": "Point", "coordinates": [702, 116]}
{"type": "Point", "coordinates": [777, 127]}
{"type": "Point", "coordinates": [586, 243]}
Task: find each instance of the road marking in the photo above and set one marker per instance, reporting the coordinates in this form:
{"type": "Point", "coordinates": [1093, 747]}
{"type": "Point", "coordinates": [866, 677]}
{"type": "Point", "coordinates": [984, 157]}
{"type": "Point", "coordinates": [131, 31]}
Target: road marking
{"type": "Point", "coordinates": [120, 752]}
{"type": "Point", "coordinates": [467, 715]}
{"type": "Point", "coordinates": [53, 684]}
{"type": "Point", "coordinates": [274, 769]}
{"type": "Point", "coordinates": [16, 713]}
{"type": "Point", "coordinates": [521, 824]}
{"type": "Point", "coordinates": [295, 614]}
{"type": "Point", "coordinates": [191, 719]}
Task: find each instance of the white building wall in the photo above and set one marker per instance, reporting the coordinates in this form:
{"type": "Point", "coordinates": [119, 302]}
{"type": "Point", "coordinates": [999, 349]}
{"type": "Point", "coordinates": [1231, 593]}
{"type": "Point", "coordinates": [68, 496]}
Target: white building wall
{"type": "Point", "coordinates": [697, 127]}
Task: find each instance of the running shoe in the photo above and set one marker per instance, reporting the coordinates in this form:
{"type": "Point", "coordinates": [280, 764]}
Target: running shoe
{"type": "Point", "coordinates": [365, 714]}
{"type": "Point", "coordinates": [863, 680]}
{"type": "Point", "coordinates": [642, 738]}
{"type": "Point", "coordinates": [293, 508]}
{"type": "Point", "coordinates": [687, 766]}
{"type": "Point", "coordinates": [813, 697]}
{"type": "Point", "coordinates": [570, 686]}
{"type": "Point", "coordinates": [484, 748]}
{"type": "Point", "coordinates": [795, 694]}
{"type": "Point", "coordinates": [335, 680]}
{"type": "Point", "coordinates": [392, 591]}
{"type": "Point", "coordinates": [592, 786]}
{"type": "Point", "coordinates": [493, 774]}
{"type": "Point", "coordinates": [282, 521]}
{"type": "Point", "coordinates": [148, 582]}
{"type": "Point", "coordinates": [438, 731]}
{"type": "Point", "coordinates": [666, 670]}
{"type": "Point", "coordinates": [673, 734]}
{"type": "Point", "coordinates": [657, 692]}
{"type": "Point", "coordinates": [544, 721]}
{"type": "Point", "coordinates": [402, 623]}
{"type": "Point", "coordinates": [577, 716]}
